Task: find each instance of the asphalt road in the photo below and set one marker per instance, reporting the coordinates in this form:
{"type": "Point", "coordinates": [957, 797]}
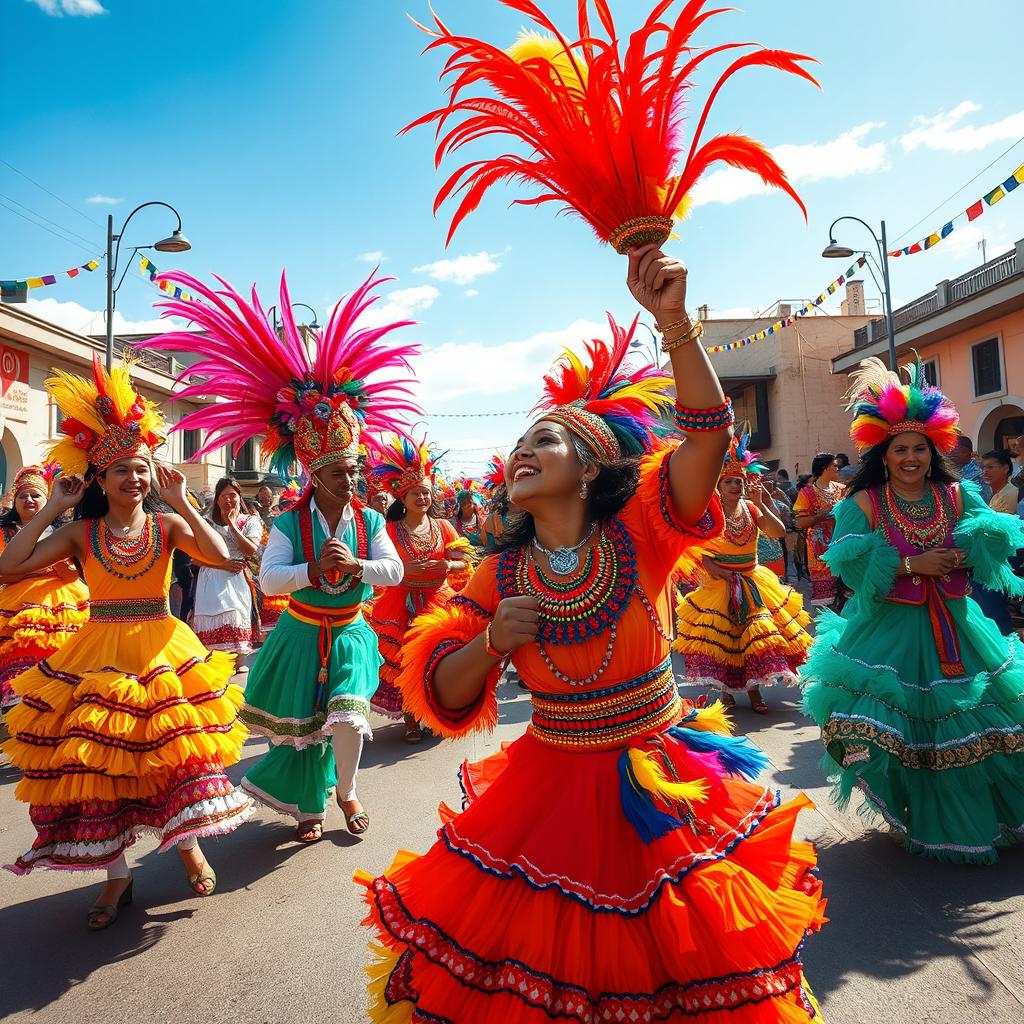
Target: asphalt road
{"type": "Point", "coordinates": [908, 941]}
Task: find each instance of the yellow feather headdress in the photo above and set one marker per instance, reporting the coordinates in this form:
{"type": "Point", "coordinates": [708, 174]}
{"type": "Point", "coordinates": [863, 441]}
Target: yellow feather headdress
{"type": "Point", "coordinates": [104, 419]}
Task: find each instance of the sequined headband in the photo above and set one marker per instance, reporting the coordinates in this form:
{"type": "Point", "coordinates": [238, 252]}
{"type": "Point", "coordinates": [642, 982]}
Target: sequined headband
{"type": "Point", "coordinates": [590, 429]}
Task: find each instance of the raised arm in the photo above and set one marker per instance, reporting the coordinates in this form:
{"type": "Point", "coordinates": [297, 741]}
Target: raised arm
{"type": "Point", "coordinates": [187, 529]}
{"type": "Point", "coordinates": [769, 523]}
{"type": "Point", "coordinates": [26, 553]}
{"type": "Point", "coordinates": [658, 283]}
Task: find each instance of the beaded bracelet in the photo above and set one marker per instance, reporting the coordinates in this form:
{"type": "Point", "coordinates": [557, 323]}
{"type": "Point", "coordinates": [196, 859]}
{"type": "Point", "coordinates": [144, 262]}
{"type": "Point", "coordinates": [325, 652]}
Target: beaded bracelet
{"type": "Point", "coordinates": [695, 331]}
{"type": "Point", "coordinates": [489, 647]}
{"type": "Point", "coordinates": [685, 322]}
{"type": "Point", "coordinates": [696, 420]}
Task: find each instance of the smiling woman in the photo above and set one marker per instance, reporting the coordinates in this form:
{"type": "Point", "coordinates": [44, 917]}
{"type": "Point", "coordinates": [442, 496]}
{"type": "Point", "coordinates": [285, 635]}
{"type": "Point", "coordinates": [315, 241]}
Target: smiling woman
{"type": "Point", "coordinates": [919, 698]}
{"type": "Point", "coordinates": [598, 864]}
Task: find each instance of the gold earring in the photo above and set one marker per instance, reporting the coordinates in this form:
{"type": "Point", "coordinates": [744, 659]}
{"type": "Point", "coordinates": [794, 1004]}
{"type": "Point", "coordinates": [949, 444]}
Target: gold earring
{"type": "Point", "coordinates": [583, 488]}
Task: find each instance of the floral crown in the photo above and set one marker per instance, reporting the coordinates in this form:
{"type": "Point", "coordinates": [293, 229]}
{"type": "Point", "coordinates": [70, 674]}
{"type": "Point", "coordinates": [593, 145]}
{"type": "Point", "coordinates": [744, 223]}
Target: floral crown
{"type": "Point", "coordinates": [104, 419]}
{"type": "Point", "coordinates": [882, 405]}
{"type": "Point", "coordinates": [307, 409]}
{"type": "Point", "coordinates": [613, 411]}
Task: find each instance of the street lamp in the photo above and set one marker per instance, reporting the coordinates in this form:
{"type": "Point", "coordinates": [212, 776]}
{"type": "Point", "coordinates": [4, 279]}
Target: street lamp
{"type": "Point", "coordinates": [272, 314]}
{"type": "Point", "coordinates": [175, 242]}
{"type": "Point", "coordinates": [641, 346]}
{"type": "Point", "coordinates": [835, 251]}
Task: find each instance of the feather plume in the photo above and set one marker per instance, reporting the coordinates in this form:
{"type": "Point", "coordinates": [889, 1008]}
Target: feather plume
{"type": "Point", "coordinates": [267, 382]}
{"type": "Point", "coordinates": [398, 463]}
{"type": "Point", "coordinates": [600, 118]}
{"type": "Point", "coordinates": [740, 460]}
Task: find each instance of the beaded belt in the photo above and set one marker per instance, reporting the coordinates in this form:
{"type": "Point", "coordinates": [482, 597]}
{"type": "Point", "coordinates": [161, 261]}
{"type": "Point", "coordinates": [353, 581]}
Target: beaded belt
{"type": "Point", "coordinates": [608, 718]}
{"type": "Point", "coordinates": [129, 609]}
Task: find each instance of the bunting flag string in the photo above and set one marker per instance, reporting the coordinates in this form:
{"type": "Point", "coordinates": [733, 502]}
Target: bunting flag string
{"type": "Point", "coordinates": [48, 279]}
{"type": "Point", "coordinates": [789, 320]}
{"type": "Point", "coordinates": [973, 212]}
{"type": "Point", "coordinates": [147, 266]}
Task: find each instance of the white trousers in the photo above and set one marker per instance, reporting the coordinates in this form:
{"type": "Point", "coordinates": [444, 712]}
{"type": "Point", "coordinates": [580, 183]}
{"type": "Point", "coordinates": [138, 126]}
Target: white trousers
{"type": "Point", "coordinates": [347, 742]}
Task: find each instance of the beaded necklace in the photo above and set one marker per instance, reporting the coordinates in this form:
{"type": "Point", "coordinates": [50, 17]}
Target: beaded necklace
{"type": "Point", "coordinates": [414, 544]}
{"type": "Point", "coordinates": [117, 554]}
{"type": "Point", "coordinates": [739, 527]}
{"type": "Point", "coordinates": [924, 522]}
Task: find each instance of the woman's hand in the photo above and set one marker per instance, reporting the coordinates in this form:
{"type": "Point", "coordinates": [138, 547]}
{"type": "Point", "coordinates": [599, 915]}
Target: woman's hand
{"type": "Point", "coordinates": [67, 493]}
{"type": "Point", "coordinates": [755, 490]}
{"type": "Point", "coordinates": [171, 482]}
{"type": "Point", "coordinates": [234, 565]}
{"type": "Point", "coordinates": [937, 562]}
{"type": "Point", "coordinates": [658, 283]}
{"type": "Point", "coordinates": [516, 621]}
{"type": "Point", "coordinates": [716, 571]}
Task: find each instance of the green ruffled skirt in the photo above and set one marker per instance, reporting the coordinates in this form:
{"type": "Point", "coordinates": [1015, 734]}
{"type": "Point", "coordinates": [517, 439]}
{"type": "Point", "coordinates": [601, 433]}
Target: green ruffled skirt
{"type": "Point", "coordinates": [281, 704]}
{"type": "Point", "coordinates": [941, 759]}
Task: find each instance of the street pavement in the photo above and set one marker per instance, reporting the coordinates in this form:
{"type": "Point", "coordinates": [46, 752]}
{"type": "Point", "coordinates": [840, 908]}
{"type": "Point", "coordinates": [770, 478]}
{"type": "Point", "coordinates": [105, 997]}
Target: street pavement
{"type": "Point", "coordinates": [908, 941]}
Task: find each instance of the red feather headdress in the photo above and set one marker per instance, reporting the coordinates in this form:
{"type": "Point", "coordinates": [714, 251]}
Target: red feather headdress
{"type": "Point", "coordinates": [399, 464]}
{"type": "Point", "coordinates": [602, 118]}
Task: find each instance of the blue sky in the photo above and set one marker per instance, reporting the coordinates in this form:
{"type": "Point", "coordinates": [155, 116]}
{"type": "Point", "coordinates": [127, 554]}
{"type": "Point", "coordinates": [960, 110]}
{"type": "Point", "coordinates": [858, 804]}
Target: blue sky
{"type": "Point", "coordinates": [272, 127]}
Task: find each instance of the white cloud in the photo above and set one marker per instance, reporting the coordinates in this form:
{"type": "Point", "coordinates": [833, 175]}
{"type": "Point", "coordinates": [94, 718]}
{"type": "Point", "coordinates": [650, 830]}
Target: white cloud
{"type": "Point", "coordinates": [401, 304]}
{"type": "Point", "coordinates": [963, 244]}
{"type": "Point", "coordinates": [470, 293]}
{"type": "Point", "coordinates": [372, 257]}
{"type": "Point", "coordinates": [841, 157]}
{"type": "Point", "coordinates": [74, 317]}
{"type": "Point", "coordinates": [457, 370]}
{"type": "Point", "coordinates": [945, 131]}
{"type": "Point", "coordinates": [74, 8]}
{"type": "Point", "coordinates": [462, 270]}
{"type": "Point", "coordinates": [101, 200]}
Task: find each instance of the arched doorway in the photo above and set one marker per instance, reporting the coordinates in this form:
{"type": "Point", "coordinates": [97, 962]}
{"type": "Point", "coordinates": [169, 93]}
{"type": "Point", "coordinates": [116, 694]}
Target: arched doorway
{"type": "Point", "coordinates": [1003, 422]}
{"type": "Point", "coordinates": [10, 459]}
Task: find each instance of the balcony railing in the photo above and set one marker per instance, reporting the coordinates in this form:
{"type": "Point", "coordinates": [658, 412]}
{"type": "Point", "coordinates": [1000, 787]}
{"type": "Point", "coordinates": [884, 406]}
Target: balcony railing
{"type": "Point", "coordinates": [992, 273]}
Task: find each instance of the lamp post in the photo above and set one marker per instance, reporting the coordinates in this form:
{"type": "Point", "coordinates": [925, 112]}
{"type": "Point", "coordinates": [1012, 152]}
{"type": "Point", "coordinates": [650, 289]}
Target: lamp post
{"type": "Point", "coordinates": [272, 313]}
{"type": "Point", "coordinates": [841, 252]}
{"type": "Point", "coordinates": [175, 242]}
{"type": "Point", "coordinates": [641, 346]}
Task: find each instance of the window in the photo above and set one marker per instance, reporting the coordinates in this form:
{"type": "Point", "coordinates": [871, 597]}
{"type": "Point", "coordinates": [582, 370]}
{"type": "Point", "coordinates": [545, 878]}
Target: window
{"type": "Point", "coordinates": [987, 368]}
{"type": "Point", "coordinates": [189, 444]}
{"type": "Point", "coordinates": [244, 462]}
{"type": "Point", "coordinates": [930, 370]}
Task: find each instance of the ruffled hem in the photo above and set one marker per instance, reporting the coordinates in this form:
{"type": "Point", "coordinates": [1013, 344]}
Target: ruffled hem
{"type": "Point", "coordinates": [990, 540]}
{"type": "Point", "coordinates": [265, 799]}
{"type": "Point", "coordinates": [197, 801]}
{"type": "Point", "coordinates": [314, 730]}
{"type": "Point", "coordinates": [387, 701]}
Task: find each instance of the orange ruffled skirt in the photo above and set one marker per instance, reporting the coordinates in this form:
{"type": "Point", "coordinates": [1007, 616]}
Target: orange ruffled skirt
{"type": "Point", "coordinates": [541, 901]}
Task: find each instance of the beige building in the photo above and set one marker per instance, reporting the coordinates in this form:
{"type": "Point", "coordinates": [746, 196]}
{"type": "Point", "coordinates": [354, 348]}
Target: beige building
{"type": "Point", "coordinates": [783, 385]}
{"type": "Point", "coordinates": [31, 348]}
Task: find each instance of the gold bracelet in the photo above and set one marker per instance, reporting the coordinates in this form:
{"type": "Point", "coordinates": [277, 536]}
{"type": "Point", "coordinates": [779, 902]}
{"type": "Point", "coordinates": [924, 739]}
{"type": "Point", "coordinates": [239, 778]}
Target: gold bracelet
{"type": "Point", "coordinates": [490, 648]}
{"type": "Point", "coordinates": [685, 322]}
{"type": "Point", "coordinates": [695, 332]}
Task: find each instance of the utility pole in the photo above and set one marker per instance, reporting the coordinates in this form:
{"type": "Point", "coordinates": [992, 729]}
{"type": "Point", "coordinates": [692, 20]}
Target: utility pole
{"type": "Point", "coordinates": [981, 246]}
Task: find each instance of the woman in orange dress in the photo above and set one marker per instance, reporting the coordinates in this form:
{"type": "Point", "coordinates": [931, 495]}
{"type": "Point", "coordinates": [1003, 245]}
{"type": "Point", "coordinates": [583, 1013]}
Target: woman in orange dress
{"type": "Point", "coordinates": [129, 727]}
{"type": "Point", "coordinates": [430, 550]}
{"type": "Point", "coordinates": [813, 512]}
{"type": "Point", "coordinates": [742, 629]}
{"type": "Point", "coordinates": [39, 611]}
{"type": "Point", "coordinates": [612, 864]}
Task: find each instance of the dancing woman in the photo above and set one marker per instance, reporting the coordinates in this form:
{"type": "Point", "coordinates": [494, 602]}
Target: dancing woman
{"type": "Point", "coordinates": [742, 629]}
{"type": "Point", "coordinates": [601, 862]}
{"type": "Point", "coordinates": [430, 550]}
{"type": "Point", "coordinates": [813, 511]}
{"type": "Point", "coordinates": [129, 726]}
{"type": "Point", "coordinates": [919, 698]}
{"type": "Point", "coordinates": [39, 611]}
{"type": "Point", "coordinates": [469, 517]}
{"type": "Point", "coordinates": [226, 613]}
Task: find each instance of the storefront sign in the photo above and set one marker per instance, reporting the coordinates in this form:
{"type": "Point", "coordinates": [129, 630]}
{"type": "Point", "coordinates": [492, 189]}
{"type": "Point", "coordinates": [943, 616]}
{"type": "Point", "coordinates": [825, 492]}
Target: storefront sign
{"type": "Point", "coordinates": [13, 383]}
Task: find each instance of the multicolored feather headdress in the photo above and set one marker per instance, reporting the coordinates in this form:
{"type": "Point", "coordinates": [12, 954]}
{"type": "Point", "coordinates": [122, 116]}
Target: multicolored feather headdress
{"type": "Point", "coordinates": [601, 118]}
{"type": "Point", "coordinates": [740, 460]}
{"type": "Point", "coordinates": [612, 411]}
{"type": "Point", "coordinates": [495, 475]}
{"type": "Point", "coordinates": [309, 410]}
{"type": "Point", "coordinates": [40, 477]}
{"type": "Point", "coordinates": [399, 464]}
{"type": "Point", "coordinates": [882, 405]}
{"type": "Point", "coordinates": [104, 419]}
{"type": "Point", "coordinates": [290, 495]}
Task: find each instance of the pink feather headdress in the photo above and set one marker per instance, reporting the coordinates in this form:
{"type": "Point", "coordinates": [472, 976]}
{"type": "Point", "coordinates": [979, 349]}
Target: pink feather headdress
{"type": "Point", "coordinates": [882, 405]}
{"type": "Point", "coordinates": [613, 411]}
{"type": "Point", "coordinates": [309, 410]}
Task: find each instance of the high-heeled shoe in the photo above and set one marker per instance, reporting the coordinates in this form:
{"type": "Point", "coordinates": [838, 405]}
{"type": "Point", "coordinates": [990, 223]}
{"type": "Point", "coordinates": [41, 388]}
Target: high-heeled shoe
{"type": "Point", "coordinates": [103, 915]}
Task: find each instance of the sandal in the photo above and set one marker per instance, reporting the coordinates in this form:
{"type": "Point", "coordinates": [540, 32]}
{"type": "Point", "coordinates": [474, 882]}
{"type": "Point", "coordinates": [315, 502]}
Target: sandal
{"type": "Point", "coordinates": [728, 700]}
{"type": "Point", "coordinates": [413, 735]}
{"type": "Point", "coordinates": [760, 708]}
{"type": "Point", "coordinates": [103, 915]}
{"type": "Point", "coordinates": [309, 831]}
{"type": "Point", "coordinates": [203, 883]}
{"type": "Point", "coordinates": [359, 818]}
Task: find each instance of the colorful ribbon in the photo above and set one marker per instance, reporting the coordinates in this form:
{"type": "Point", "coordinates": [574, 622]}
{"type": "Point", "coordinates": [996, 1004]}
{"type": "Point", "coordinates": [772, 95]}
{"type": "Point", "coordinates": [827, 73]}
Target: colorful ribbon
{"type": "Point", "coordinates": [147, 266]}
{"type": "Point", "coordinates": [48, 279]}
{"type": "Point", "coordinates": [788, 320]}
{"type": "Point", "coordinates": [973, 212]}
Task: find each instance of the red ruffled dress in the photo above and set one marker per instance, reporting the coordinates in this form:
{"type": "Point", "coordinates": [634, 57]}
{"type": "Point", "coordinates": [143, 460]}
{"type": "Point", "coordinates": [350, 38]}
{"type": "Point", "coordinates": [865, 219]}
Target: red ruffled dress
{"type": "Point", "coordinates": [611, 864]}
